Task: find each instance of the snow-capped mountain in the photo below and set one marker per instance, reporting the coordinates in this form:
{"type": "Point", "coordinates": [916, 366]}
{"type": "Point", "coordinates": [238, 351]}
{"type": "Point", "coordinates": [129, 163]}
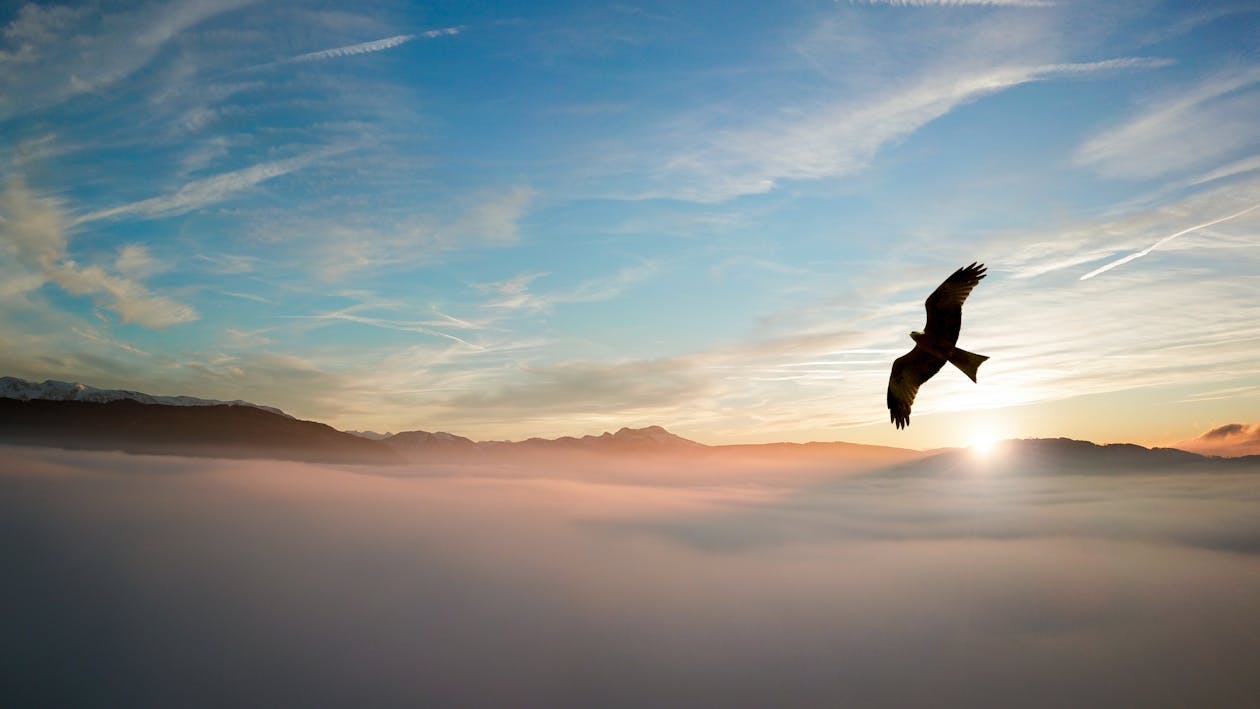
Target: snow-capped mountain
{"type": "Point", "coordinates": [370, 435]}
{"type": "Point", "coordinates": [53, 390]}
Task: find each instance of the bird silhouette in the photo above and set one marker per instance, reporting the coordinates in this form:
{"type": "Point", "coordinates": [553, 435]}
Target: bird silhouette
{"type": "Point", "coordinates": [935, 345]}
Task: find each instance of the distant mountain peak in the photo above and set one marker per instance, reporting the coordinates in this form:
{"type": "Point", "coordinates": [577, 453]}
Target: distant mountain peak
{"type": "Point", "coordinates": [370, 435]}
{"type": "Point", "coordinates": [55, 390]}
{"type": "Point", "coordinates": [649, 435]}
{"type": "Point", "coordinates": [427, 438]}
{"type": "Point", "coordinates": [645, 431]}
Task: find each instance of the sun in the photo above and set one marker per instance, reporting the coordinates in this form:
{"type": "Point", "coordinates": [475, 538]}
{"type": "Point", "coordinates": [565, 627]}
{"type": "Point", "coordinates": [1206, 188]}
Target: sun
{"type": "Point", "coordinates": [983, 443]}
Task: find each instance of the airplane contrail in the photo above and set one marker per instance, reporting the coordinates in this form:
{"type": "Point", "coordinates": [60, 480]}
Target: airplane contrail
{"type": "Point", "coordinates": [363, 48]}
{"type": "Point", "coordinates": [1161, 242]}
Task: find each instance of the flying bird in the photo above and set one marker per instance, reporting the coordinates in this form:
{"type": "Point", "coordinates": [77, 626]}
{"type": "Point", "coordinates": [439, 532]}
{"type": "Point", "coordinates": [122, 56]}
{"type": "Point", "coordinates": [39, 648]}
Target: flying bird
{"type": "Point", "coordinates": [935, 345]}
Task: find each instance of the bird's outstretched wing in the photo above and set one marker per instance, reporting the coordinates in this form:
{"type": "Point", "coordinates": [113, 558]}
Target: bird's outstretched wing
{"type": "Point", "coordinates": [944, 306]}
{"type": "Point", "coordinates": [909, 371]}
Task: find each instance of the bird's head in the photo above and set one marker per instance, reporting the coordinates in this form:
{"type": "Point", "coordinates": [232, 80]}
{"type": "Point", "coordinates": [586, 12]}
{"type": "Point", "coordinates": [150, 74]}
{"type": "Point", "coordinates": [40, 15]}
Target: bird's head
{"type": "Point", "coordinates": [916, 335]}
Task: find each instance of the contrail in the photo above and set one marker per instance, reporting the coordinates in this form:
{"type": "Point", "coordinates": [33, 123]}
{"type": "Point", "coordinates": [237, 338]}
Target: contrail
{"type": "Point", "coordinates": [346, 51]}
{"type": "Point", "coordinates": [386, 324]}
{"type": "Point", "coordinates": [211, 190]}
{"type": "Point", "coordinates": [1165, 240]}
{"type": "Point", "coordinates": [361, 48]}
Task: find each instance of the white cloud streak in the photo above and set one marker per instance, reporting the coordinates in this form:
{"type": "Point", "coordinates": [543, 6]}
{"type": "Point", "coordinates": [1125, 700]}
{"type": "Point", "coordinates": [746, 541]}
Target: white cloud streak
{"type": "Point", "coordinates": [353, 49]}
{"type": "Point", "coordinates": [94, 336]}
{"type": "Point", "coordinates": [209, 190]}
{"type": "Point", "coordinates": [444, 32]}
{"type": "Point", "coordinates": [1238, 167]}
{"type": "Point", "coordinates": [1210, 120]}
{"type": "Point", "coordinates": [513, 293]}
{"type": "Point", "coordinates": [1163, 241]}
{"type": "Point", "coordinates": [843, 138]}
{"type": "Point", "coordinates": [369, 47]}
{"type": "Point", "coordinates": [249, 296]}
{"type": "Point", "coordinates": [397, 325]}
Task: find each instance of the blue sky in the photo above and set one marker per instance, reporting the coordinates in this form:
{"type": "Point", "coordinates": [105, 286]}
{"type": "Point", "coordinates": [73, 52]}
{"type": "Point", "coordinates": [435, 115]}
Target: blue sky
{"type": "Point", "coordinates": [506, 220]}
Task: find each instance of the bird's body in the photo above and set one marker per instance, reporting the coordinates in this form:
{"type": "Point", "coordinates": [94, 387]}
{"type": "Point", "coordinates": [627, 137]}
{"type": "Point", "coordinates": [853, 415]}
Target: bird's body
{"type": "Point", "coordinates": [936, 345]}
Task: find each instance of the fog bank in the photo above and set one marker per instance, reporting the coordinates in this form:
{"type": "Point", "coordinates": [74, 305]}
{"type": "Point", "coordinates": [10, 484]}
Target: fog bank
{"type": "Point", "coordinates": [152, 581]}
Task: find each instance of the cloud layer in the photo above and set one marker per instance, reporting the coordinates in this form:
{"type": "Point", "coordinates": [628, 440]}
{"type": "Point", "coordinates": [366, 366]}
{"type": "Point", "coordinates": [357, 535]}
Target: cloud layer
{"type": "Point", "coordinates": [1232, 439]}
{"type": "Point", "coordinates": [298, 584]}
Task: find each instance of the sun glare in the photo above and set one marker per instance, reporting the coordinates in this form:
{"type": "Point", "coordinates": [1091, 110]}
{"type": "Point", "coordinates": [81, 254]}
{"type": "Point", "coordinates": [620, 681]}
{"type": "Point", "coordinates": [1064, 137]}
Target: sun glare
{"type": "Point", "coordinates": [982, 444]}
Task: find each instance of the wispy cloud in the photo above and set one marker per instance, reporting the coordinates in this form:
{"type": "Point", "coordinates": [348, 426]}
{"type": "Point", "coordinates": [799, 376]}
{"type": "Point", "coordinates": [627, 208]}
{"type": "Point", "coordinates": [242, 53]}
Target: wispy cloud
{"type": "Point", "coordinates": [491, 220]}
{"type": "Point", "coordinates": [419, 327]}
{"type": "Point", "coordinates": [95, 336]}
{"type": "Point", "coordinates": [56, 52]}
{"type": "Point", "coordinates": [353, 49]}
{"type": "Point", "coordinates": [514, 294]}
{"type": "Point", "coordinates": [136, 260]}
{"type": "Point", "coordinates": [228, 264]}
{"type": "Point", "coordinates": [1163, 241]}
{"type": "Point", "coordinates": [452, 321]}
{"type": "Point", "coordinates": [377, 45]}
{"type": "Point", "coordinates": [494, 219]}
{"type": "Point", "coordinates": [249, 296]}
{"type": "Point", "coordinates": [1204, 122]}
{"type": "Point", "coordinates": [1041, 252]}
{"type": "Point", "coordinates": [249, 338]}
{"type": "Point", "coordinates": [1238, 167]}
{"type": "Point", "coordinates": [33, 232]}
{"type": "Point", "coordinates": [209, 190]}
{"type": "Point", "coordinates": [34, 28]}
{"type": "Point", "coordinates": [843, 138]}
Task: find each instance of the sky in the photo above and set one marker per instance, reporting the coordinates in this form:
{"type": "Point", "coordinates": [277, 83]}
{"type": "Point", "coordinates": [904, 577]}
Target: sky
{"type": "Point", "coordinates": [515, 219]}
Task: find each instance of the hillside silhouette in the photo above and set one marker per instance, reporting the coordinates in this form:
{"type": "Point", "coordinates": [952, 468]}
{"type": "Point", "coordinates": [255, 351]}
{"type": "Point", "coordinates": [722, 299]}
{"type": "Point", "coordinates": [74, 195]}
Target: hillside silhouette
{"type": "Point", "coordinates": [78, 417]}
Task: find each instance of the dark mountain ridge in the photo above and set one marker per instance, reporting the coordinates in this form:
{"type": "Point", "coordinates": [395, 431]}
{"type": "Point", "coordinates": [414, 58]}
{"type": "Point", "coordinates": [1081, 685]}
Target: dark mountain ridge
{"type": "Point", "coordinates": [220, 431]}
{"type": "Point", "coordinates": [140, 423]}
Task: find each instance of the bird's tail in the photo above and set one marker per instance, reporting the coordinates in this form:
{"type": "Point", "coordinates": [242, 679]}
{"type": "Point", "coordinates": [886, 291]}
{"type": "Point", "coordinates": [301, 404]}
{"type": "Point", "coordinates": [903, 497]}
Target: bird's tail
{"type": "Point", "coordinates": [968, 362]}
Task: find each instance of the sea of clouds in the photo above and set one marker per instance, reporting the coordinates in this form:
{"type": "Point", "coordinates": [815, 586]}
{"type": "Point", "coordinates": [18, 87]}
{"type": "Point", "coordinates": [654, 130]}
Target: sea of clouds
{"type": "Point", "coordinates": [158, 581]}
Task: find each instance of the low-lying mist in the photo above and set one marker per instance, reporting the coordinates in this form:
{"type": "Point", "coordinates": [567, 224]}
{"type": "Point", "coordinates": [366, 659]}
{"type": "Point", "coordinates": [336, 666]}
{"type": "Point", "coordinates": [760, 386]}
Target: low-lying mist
{"type": "Point", "coordinates": [157, 581]}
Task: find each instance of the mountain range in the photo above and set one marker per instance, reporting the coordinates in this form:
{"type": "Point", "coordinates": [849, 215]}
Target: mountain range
{"type": "Point", "coordinates": [70, 415]}
{"type": "Point", "coordinates": [53, 390]}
